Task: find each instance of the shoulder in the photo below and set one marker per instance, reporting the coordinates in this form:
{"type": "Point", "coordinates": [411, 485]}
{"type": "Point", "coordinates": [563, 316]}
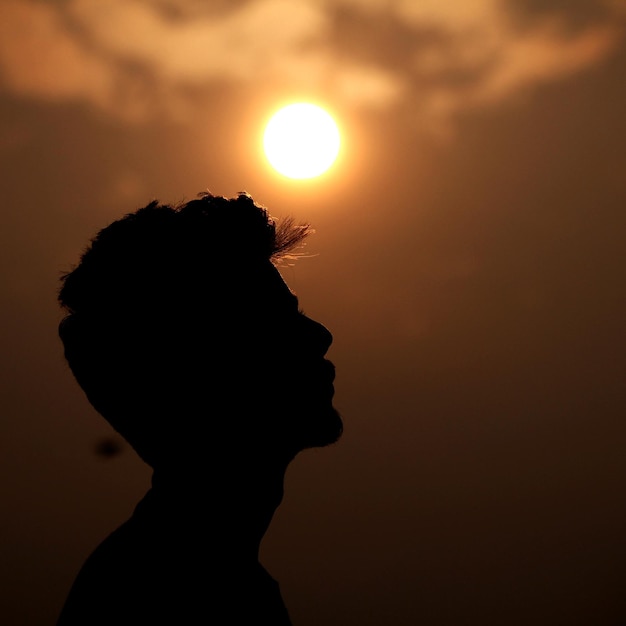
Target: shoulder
{"type": "Point", "coordinates": [102, 585]}
{"type": "Point", "coordinates": [136, 576]}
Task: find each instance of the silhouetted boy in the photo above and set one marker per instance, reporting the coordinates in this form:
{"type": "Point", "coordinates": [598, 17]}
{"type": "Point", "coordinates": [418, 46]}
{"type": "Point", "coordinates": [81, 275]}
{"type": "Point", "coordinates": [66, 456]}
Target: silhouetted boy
{"type": "Point", "coordinates": [184, 336]}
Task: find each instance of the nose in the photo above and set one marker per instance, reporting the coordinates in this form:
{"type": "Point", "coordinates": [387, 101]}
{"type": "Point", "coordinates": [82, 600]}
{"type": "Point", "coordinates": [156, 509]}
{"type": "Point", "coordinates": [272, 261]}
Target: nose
{"type": "Point", "coordinates": [319, 336]}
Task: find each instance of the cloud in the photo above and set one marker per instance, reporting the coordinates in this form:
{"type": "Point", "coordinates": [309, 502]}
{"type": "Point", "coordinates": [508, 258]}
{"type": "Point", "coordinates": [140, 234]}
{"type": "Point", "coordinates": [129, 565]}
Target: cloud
{"type": "Point", "coordinates": [39, 57]}
{"type": "Point", "coordinates": [257, 40]}
{"type": "Point", "coordinates": [543, 55]}
{"type": "Point", "coordinates": [486, 65]}
{"type": "Point", "coordinates": [134, 58]}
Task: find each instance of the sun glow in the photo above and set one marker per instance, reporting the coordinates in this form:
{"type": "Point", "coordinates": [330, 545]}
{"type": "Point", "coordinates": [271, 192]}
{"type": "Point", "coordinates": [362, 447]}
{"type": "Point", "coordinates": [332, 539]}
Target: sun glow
{"type": "Point", "coordinates": [301, 140]}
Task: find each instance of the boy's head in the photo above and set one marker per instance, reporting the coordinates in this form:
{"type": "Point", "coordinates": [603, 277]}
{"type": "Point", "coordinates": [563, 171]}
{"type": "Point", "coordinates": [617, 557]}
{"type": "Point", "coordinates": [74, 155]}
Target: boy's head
{"type": "Point", "coordinates": [184, 336]}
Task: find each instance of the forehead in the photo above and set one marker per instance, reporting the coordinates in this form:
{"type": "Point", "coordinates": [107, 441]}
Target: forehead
{"type": "Point", "coordinates": [268, 288]}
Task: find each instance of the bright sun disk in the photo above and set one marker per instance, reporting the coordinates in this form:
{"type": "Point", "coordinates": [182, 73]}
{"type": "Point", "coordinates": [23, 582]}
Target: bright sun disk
{"type": "Point", "coordinates": [301, 140]}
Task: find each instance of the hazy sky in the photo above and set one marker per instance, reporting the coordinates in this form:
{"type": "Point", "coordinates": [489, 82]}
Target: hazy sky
{"type": "Point", "coordinates": [469, 259]}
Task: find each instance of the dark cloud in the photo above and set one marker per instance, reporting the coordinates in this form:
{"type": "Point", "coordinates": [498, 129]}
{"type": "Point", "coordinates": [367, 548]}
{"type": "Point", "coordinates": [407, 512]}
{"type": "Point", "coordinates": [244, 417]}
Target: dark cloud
{"type": "Point", "coordinates": [573, 14]}
{"type": "Point", "coordinates": [108, 447]}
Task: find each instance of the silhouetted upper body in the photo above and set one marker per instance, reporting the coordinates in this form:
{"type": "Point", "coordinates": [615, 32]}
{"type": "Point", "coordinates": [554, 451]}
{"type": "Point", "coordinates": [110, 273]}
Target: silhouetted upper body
{"type": "Point", "coordinates": [172, 561]}
{"type": "Point", "coordinates": [206, 365]}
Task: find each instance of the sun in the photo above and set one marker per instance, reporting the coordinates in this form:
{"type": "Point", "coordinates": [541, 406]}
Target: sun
{"type": "Point", "coordinates": [301, 140]}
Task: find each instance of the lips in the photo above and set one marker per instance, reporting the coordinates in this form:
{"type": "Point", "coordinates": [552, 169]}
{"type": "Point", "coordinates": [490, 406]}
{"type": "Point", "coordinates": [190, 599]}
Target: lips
{"type": "Point", "coordinates": [314, 379]}
{"type": "Point", "coordinates": [329, 374]}
{"type": "Point", "coordinates": [318, 380]}
{"type": "Point", "coordinates": [329, 369]}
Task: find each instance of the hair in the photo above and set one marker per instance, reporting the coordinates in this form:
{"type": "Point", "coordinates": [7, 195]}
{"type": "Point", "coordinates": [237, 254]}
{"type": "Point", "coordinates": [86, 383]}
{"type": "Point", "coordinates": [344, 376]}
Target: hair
{"type": "Point", "coordinates": [135, 257]}
{"type": "Point", "coordinates": [152, 287]}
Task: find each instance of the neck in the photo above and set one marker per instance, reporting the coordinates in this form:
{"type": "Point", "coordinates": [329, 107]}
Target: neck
{"type": "Point", "coordinates": [223, 509]}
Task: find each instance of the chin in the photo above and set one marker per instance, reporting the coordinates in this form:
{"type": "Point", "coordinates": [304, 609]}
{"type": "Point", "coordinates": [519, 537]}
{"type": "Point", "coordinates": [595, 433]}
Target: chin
{"type": "Point", "coordinates": [322, 429]}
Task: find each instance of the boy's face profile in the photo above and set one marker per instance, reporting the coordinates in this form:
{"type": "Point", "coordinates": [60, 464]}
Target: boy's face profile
{"type": "Point", "coordinates": [282, 352]}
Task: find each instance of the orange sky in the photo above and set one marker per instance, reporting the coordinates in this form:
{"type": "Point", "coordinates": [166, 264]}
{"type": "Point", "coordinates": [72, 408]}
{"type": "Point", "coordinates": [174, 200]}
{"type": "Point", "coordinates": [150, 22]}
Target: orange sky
{"type": "Point", "coordinates": [468, 258]}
